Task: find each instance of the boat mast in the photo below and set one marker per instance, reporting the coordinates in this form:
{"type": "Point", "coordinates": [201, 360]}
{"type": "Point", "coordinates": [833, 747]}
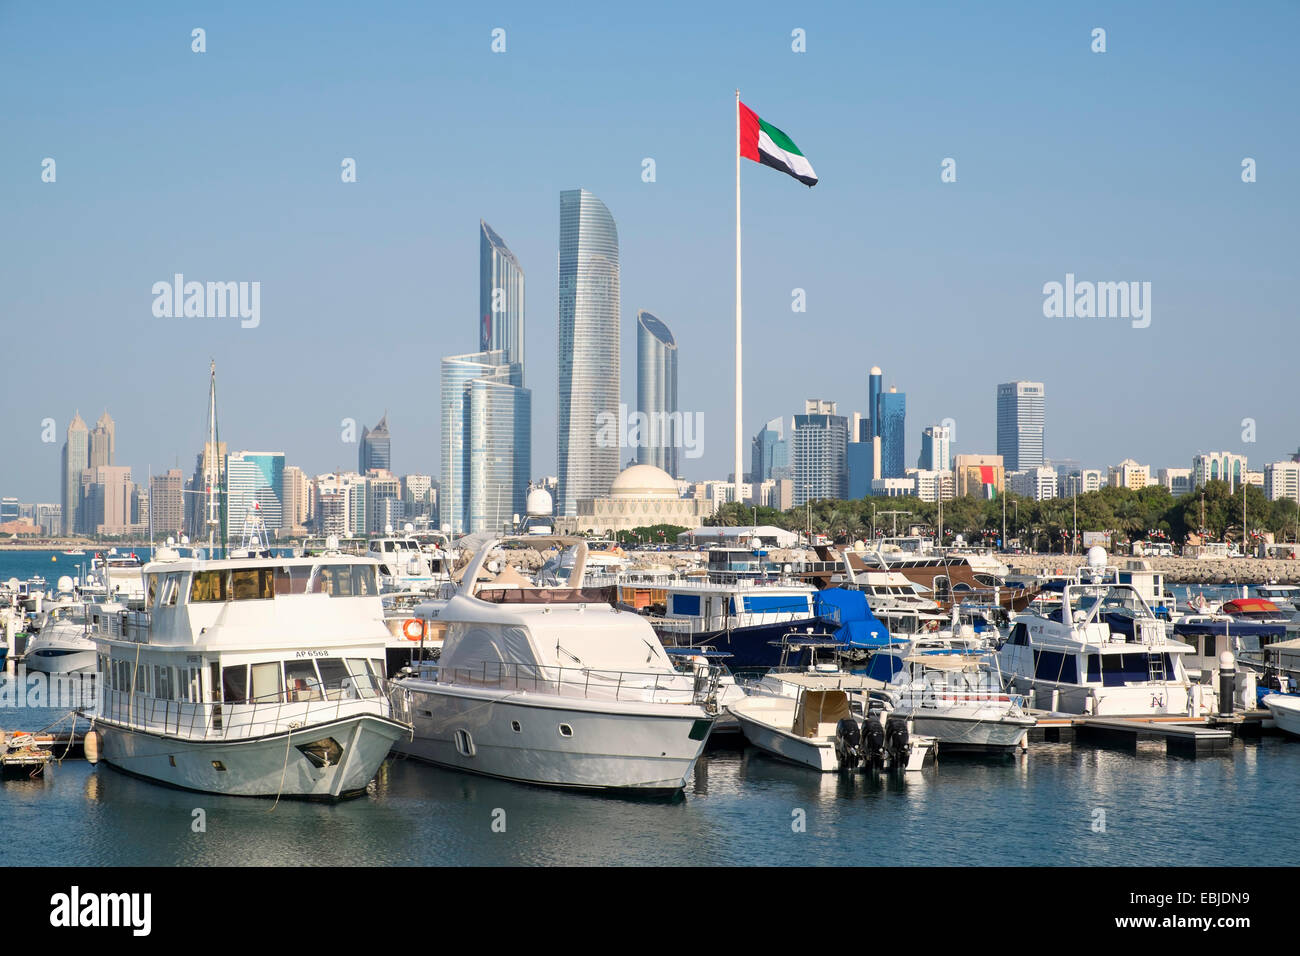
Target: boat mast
{"type": "Point", "coordinates": [212, 474]}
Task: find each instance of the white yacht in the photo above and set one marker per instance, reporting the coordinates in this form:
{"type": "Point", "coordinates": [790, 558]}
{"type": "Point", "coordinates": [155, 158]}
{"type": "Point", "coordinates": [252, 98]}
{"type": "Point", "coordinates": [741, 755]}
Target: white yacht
{"type": "Point", "coordinates": [1100, 651]}
{"type": "Point", "coordinates": [116, 576]}
{"type": "Point", "coordinates": [555, 686]}
{"type": "Point", "coordinates": [251, 676]}
{"type": "Point", "coordinates": [59, 640]}
{"type": "Point", "coordinates": [403, 565]}
{"type": "Point", "coordinates": [822, 720]}
{"type": "Point", "coordinates": [958, 699]}
{"type": "Point", "coordinates": [1285, 709]}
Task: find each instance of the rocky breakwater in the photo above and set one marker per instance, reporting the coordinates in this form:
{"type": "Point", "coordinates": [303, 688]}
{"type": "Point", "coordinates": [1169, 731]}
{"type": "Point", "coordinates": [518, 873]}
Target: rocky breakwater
{"type": "Point", "coordinates": [1175, 570]}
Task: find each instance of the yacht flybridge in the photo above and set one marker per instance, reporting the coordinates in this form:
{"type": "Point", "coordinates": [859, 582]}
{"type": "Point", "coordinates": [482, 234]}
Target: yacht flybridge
{"type": "Point", "coordinates": [251, 676]}
{"type": "Point", "coordinates": [555, 686]}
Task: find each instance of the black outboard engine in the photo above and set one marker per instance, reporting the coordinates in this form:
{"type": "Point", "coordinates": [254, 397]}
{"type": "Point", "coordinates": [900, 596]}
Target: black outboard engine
{"type": "Point", "coordinates": [897, 738]}
{"type": "Point", "coordinates": [848, 743]}
{"type": "Point", "coordinates": [873, 741]}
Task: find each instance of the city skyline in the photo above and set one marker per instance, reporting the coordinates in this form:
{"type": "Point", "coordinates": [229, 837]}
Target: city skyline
{"type": "Point", "coordinates": [867, 229]}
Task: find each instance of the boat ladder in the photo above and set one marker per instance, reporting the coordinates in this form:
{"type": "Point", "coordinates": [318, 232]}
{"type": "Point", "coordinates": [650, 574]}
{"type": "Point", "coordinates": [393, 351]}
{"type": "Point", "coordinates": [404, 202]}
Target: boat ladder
{"type": "Point", "coordinates": [1155, 667]}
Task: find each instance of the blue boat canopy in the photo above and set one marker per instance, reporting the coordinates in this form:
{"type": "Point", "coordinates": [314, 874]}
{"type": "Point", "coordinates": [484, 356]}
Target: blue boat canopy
{"type": "Point", "coordinates": [858, 626]}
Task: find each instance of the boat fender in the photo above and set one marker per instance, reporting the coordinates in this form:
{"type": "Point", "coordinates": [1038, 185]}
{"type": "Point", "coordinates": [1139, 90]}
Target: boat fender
{"type": "Point", "coordinates": [91, 744]}
{"type": "Point", "coordinates": [413, 629]}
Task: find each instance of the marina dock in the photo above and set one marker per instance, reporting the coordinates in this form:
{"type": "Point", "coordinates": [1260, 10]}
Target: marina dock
{"type": "Point", "coordinates": [1183, 736]}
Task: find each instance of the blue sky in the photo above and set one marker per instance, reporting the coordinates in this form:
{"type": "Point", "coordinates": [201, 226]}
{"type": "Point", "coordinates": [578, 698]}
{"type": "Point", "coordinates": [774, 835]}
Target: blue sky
{"type": "Point", "coordinates": [225, 166]}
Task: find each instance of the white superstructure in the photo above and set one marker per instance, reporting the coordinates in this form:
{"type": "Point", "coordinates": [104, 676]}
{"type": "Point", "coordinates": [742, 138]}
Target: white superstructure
{"type": "Point", "coordinates": [252, 676]}
{"type": "Point", "coordinates": [554, 685]}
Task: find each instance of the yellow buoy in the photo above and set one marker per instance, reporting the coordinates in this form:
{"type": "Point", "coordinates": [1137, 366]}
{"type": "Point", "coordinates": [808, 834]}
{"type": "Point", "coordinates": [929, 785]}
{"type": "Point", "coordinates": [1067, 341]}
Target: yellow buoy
{"type": "Point", "coordinates": [54, 557]}
{"type": "Point", "coordinates": [92, 747]}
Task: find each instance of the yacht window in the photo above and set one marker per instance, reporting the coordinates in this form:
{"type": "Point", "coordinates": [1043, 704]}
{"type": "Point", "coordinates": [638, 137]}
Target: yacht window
{"type": "Point", "coordinates": [171, 589]}
{"type": "Point", "coordinates": [301, 680]}
{"type": "Point", "coordinates": [338, 682]}
{"type": "Point", "coordinates": [566, 730]}
{"type": "Point", "coordinates": [208, 586]}
{"type": "Point", "coordinates": [377, 669]}
{"type": "Point", "coordinates": [234, 684]}
{"type": "Point", "coordinates": [153, 590]}
{"type": "Point", "coordinates": [362, 679]}
{"type": "Point", "coordinates": [265, 682]}
{"type": "Point", "coordinates": [250, 584]}
{"type": "Point", "coordinates": [344, 580]}
{"type": "Point", "coordinates": [292, 580]}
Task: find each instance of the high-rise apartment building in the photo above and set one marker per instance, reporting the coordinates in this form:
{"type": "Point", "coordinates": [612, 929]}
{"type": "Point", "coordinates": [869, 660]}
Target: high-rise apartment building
{"type": "Point", "coordinates": [656, 395]}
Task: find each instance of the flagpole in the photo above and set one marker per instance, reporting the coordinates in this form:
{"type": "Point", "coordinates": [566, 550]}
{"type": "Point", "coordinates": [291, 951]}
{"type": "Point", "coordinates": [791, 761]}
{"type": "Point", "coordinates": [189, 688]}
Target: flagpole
{"type": "Point", "coordinates": [740, 473]}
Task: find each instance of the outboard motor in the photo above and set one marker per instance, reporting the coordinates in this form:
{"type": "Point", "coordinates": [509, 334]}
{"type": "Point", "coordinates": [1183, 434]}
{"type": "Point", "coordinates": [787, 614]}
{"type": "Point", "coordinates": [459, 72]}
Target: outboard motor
{"type": "Point", "coordinates": [873, 741]}
{"type": "Point", "coordinates": [897, 738]}
{"type": "Point", "coordinates": [848, 743]}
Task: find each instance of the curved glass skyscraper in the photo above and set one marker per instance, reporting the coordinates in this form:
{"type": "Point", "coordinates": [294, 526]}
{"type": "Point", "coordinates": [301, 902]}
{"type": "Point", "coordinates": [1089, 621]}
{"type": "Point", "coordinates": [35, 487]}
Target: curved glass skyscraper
{"type": "Point", "coordinates": [656, 394]}
{"type": "Point", "coordinates": [500, 297]}
{"type": "Point", "coordinates": [588, 350]}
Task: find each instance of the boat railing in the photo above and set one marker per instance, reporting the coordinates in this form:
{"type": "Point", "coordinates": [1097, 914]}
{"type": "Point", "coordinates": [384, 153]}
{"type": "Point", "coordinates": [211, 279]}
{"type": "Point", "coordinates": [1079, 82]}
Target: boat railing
{"type": "Point", "coordinates": [691, 626]}
{"type": "Point", "coordinates": [254, 717]}
{"type": "Point", "coordinates": [127, 625]}
{"type": "Point", "coordinates": [589, 683]}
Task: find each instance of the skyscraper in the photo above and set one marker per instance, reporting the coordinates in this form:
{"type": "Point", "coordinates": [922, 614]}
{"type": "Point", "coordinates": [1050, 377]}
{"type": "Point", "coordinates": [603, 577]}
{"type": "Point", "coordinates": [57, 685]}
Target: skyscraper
{"type": "Point", "coordinates": [891, 413]}
{"type": "Point", "coordinates": [1021, 420]}
{"type": "Point", "coordinates": [103, 442]}
{"type": "Point", "coordinates": [487, 442]}
{"type": "Point", "coordinates": [819, 443]}
{"type": "Point", "coordinates": [376, 448]}
{"type": "Point", "coordinates": [167, 503]}
{"type": "Point", "coordinates": [770, 452]}
{"type": "Point", "coordinates": [76, 457]}
{"type": "Point", "coordinates": [874, 388]}
{"type": "Point", "coordinates": [588, 349]}
{"type": "Point", "coordinates": [500, 297]}
{"type": "Point", "coordinates": [936, 449]}
{"type": "Point", "coordinates": [254, 486]}
{"type": "Point", "coordinates": [656, 394]}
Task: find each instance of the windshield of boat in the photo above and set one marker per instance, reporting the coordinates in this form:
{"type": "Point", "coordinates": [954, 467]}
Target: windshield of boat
{"type": "Point", "coordinates": [1119, 599]}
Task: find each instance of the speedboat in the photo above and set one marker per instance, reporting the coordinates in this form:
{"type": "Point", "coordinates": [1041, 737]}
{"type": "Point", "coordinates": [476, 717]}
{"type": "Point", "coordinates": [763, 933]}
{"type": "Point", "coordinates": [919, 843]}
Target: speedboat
{"type": "Point", "coordinates": [60, 642]}
{"type": "Point", "coordinates": [248, 676]}
{"type": "Point", "coordinates": [820, 727]}
{"type": "Point", "coordinates": [958, 699]}
{"type": "Point", "coordinates": [554, 686]}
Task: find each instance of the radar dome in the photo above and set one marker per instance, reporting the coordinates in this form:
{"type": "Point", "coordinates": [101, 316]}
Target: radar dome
{"type": "Point", "coordinates": [1097, 557]}
{"type": "Point", "coordinates": [65, 583]}
{"type": "Point", "coordinates": [539, 502]}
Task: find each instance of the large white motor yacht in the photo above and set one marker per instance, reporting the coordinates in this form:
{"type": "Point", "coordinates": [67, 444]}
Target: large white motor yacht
{"type": "Point", "coordinates": [556, 686]}
{"type": "Point", "coordinates": [1100, 651]}
{"type": "Point", "coordinates": [250, 676]}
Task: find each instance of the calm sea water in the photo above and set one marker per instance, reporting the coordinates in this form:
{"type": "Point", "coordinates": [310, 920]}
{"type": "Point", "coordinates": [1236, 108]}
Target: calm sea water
{"type": "Point", "coordinates": [741, 808]}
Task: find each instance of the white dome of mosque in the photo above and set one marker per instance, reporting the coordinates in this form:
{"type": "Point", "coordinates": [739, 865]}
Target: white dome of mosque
{"type": "Point", "coordinates": [540, 503]}
{"type": "Point", "coordinates": [644, 481]}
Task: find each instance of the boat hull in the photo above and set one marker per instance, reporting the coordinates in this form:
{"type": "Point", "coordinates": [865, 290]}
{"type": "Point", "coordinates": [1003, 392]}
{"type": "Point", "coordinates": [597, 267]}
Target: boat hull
{"type": "Point", "coordinates": [651, 747]}
{"type": "Point", "coordinates": [1286, 712]}
{"type": "Point", "coordinates": [811, 752]}
{"type": "Point", "coordinates": [956, 732]}
{"type": "Point", "coordinates": [60, 660]}
{"type": "Point", "coordinates": [756, 646]}
{"type": "Point", "coordinates": [269, 766]}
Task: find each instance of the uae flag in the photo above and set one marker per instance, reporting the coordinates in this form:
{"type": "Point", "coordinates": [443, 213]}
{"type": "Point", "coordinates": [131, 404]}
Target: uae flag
{"type": "Point", "coordinates": [764, 143]}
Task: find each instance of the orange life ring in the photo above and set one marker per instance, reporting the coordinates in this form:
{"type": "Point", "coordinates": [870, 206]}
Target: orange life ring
{"type": "Point", "coordinates": [413, 629]}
